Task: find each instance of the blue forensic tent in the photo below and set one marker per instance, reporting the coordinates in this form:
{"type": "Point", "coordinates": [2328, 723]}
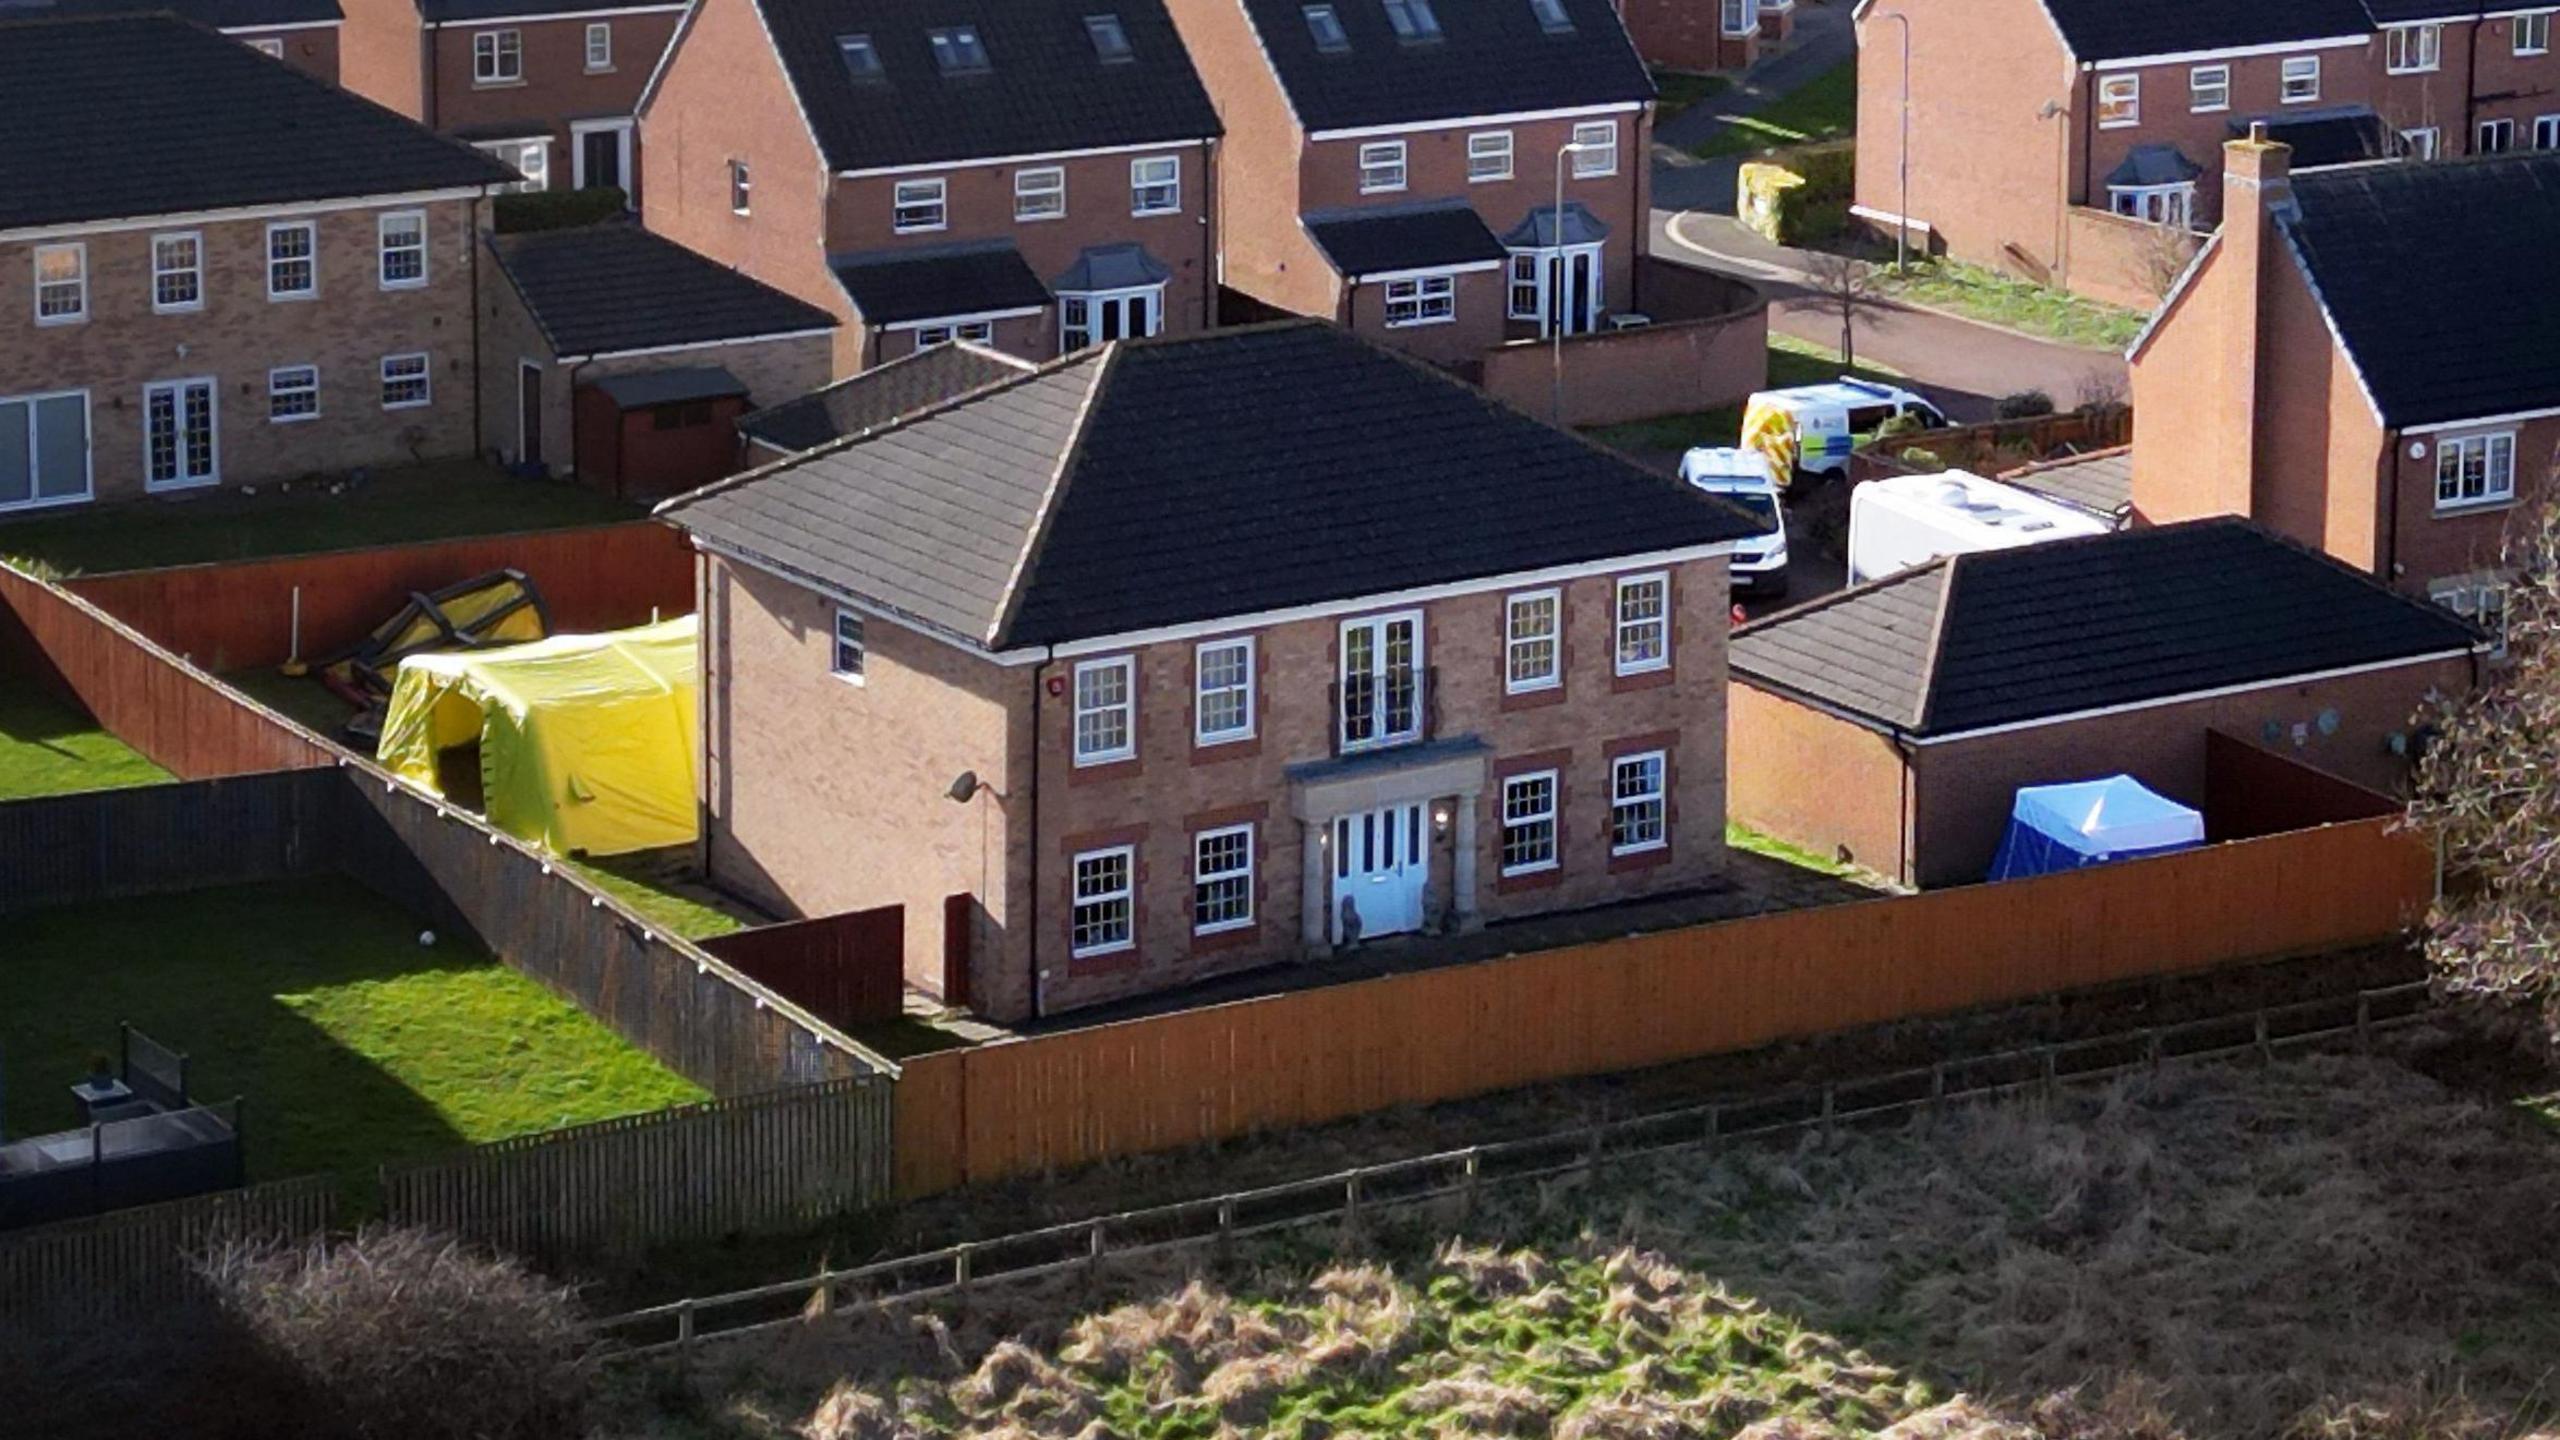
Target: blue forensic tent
{"type": "Point", "coordinates": [2063, 827]}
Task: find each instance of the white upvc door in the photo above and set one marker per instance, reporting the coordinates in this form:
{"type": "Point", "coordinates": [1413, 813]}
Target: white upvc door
{"type": "Point", "coordinates": [181, 443]}
{"type": "Point", "coordinates": [1561, 286]}
{"type": "Point", "coordinates": [44, 450]}
{"type": "Point", "coordinates": [1381, 862]}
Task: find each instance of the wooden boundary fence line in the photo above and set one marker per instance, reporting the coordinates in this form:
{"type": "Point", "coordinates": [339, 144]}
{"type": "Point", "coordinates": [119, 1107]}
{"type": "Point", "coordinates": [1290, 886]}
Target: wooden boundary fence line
{"type": "Point", "coordinates": [120, 1266]}
{"type": "Point", "coordinates": [1344, 1195]}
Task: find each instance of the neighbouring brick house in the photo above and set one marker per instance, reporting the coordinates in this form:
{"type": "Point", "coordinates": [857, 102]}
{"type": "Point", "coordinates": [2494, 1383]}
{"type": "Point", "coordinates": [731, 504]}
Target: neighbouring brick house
{"type": "Point", "coordinates": [1892, 724]}
{"type": "Point", "coordinates": [2079, 141]}
{"type": "Point", "coordinates": [1391, 165]}
{"type": "Point", "coordinates": [302, 33]}
{"type": "Point", "coordinates": [1160, 658]}
{"type": "Point", "coordinates": [549, 86]}
{"type": "Point", "coordinates": [2364, 360]}
{"type": "Point", "coordinates": [624, 359]}
{"type": "Point", "coordinates": [1698, 36]}
{"type": "Point", "coordinates": [243, 275]}
{"type": "Point", "coordinates": [873, 398]}
{"type": "Point", "coordinates": [1034, 177]}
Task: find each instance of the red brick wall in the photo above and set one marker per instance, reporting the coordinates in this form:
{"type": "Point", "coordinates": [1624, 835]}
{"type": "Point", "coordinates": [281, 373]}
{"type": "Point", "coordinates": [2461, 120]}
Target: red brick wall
{"type": "Point", "coordinates": [313, 51]}
{"type": "Point", "coordinates": [1472, 336]}
{"type": "Point", "coordinates": [2480, 78]}
{"type": "Point", "coordinates": [1816, 781]}
{"type": "Point", "coordinates": [2426, 545]}
{"type": "Point", "coordinates": [1688, 35]}
{"type": "Point", "coordinates": [557, 88]}
{"type": "Point", "coordinates": [381, 56]}
{"type": "Point", "coordinates": [1666, 369]}
{"type": "Point", "coordinates": [2348, 76]}
{"type": "Point", "coordinates": [1262, 251]}
{"type": "Point", "coordinates": [2123, 261]}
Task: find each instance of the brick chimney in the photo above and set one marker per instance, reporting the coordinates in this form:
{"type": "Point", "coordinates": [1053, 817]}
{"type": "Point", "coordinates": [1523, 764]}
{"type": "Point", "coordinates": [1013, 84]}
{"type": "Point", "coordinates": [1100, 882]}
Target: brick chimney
{"type": "Point", "coordinates": [2257, 190]}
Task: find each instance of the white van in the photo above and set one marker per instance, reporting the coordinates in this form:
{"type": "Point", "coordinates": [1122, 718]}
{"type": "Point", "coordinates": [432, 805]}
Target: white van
{"type": "Point", "coordinates": [1743, 478]}
{"type": "Point", "coordinates": [1810, 429]}
{"type": "Point", "coordinates": [1908, 520]}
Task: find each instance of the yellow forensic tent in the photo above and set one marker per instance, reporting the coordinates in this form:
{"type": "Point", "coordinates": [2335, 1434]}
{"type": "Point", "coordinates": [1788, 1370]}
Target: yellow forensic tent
{"type": "Point", "coordinates": [586, 742]}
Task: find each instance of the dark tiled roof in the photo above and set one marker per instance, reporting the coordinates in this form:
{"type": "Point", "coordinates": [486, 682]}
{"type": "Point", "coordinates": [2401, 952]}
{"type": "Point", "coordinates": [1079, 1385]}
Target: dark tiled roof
{"type": "Point", "coordinates": [668, 387]}
{"type": "Point", "coordinates": [2441, 282]}
{"type": "Point", "coordinates": [448, 12]}
{"type": "Point", "coordinates": [1379, 239]}
{"type": "Point", "coordinates": [131, 116]}
{"type": "Point", "coordinates": [2100, 483]}
{"type": "Point", "coordinates": [1167, 482]}
{"type": "Point", "coordinates": [2396, 12]}
{"type": "Point", "coordinates": [605, 289]}
{"type": "Point", "coordinates": [1045, 89]}
{"type": "Point", "coordinates": [892, 286]}
{"type": "Point", "coordinates": [1493, 58]}
{"type": "Point", "coordinates": [220, 14]}
{"type": "Point", "coordinates": [2047, 630]}
{"type": "Point", "coordinates": [879, 395]}
{"type": "Point", "coordinates": [2344, 135]}
{"type": "Point", "coordinates": [2154, 165]}
{"type": "Point", "coordinates": [2128, 29]}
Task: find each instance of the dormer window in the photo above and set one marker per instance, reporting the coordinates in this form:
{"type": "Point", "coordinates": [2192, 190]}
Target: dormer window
{"type": "Point", "coordinates": [957, 50]}
{"type": "Point", "coordinates": [1413, 21]}
{"type": "Point", "coordinates": [1551, 16]}
{"type": "Point", "coordinates": [1326, 27]}
{"type": "Point", "coordinates": [861, 57]}
{"type": "Point", "coordinates": [1110, 41]}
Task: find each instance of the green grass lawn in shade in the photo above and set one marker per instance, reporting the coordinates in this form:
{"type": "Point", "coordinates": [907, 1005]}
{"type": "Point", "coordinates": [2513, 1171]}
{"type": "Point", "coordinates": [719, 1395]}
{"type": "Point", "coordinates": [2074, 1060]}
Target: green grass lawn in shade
{"type": "Point", "coordinates": [49, 746]}
{"type": "Point", "coordinates": [352, 1043]}
{"type": "Point", "coordinates": [1676, 92]}
{"type": "Point", "coordinates": [435, 501]}
{"type": "Point", "coordinates": [1823, 108]}
{"type": "Point", "coordinates": [2013, 303]}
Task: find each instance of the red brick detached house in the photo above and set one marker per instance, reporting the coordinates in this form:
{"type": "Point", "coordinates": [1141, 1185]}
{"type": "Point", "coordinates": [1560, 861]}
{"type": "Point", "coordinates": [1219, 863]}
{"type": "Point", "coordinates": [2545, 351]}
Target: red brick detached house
{"type": "Point", "coordinates": [1034, 176]}
{"type": "Point", "coordinates": [301, 33]}
{"type": "Point", "coordinates": [2363, 359]}
{"type": "Point", "coordinates": [549, 86]}
{"type": "Point", "coordinates": [2079, 141]}
{"type": "Point", "coordinates": [1165, 661]}
{"type": "Point", "coordinates": [1697, 36]}
{"type": "Point", "coordinates": [247, 275]}
{"type": "Point", "coordinates": [1391, 165]}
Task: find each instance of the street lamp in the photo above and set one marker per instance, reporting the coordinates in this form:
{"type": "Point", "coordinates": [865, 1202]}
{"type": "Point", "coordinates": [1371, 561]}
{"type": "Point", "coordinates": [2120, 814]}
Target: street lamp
{"type": "Point", "coordinates": [1902, 208]}
{"type": "Point", "coordinates": [1554, 261]}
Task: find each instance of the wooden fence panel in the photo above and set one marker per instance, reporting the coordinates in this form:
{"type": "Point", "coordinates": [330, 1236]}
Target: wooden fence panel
{"type": "Point", "coordinates": [160, 839]}
{"type": "Point", "coordinates": [240, 615]}
{"type": "Point", "coordinates": [750, 1162]}
{"type": "Point", "coordinates": [849, 970]}
{"type": "Point", "coordinates": [126, 1265]}
{"type": "Point", "coordinates": [1078, 1096]}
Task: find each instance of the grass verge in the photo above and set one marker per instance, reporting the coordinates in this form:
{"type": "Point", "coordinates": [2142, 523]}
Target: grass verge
{"type": "Point", "coordinates": [49, 747]}
{"type": "Point", "coordinates": [1743, 837]}
{"type": "Point", "coordinates": [352, 1043]}
{"type": "Point", "coordinates": [2013, 303]}
{"type": "Point", "coordinates": [435, 501]}
{"type": "Point", "coordinates": [1791, 362]}
{"type": "Point", "coordinates": [1823, 108]}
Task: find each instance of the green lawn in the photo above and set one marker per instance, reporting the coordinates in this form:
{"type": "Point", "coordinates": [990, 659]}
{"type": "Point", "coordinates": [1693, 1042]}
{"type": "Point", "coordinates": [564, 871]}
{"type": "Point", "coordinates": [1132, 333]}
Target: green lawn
{"type": "Point", "coordinates": [648, 884]}
{"type": "Point", "coordinates": [1677, 92]}
{"type": "Point", "coordinates": [1823, 108]}
{"type": "Point", "coordinates": [352, 1043]}
{"type": "Point", "coordinates": [1742, 837]}
{"type": "Point", "coordinates": [2007, 300]}
{"type": "Point", "coordinates": [47, 747]}
{"type": "Point", "coordinates": [418, 502]}
{"type": "Point", "coordinates": [1791, 362]}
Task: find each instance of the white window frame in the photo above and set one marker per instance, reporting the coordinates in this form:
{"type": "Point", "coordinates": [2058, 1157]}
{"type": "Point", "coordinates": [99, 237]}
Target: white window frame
{"type": "Point", "coordinates": [536, 176]}
{"type": "Point", "coordinates": [2295, 70]}
{"type": "Point", "coordinates": [277, 390]}
{"type": "Point", "coordinates": [920, 206]}
{"type": "Point", "coordinates": [2425, 37]}
{"type": "Point", "coordinates": [383, 227]}
{"type": "Point", "coordinates": [2119, 102]}
{"type": "Point", "coordinates": [2497, 483]}
{"type": "Point", "coordinates": [1514, 642]}
{"type": "Point", "coordinates": [1382, 170]}
{"type": "Point", "coordinates": [425, 377]}
{"type": "Point", "coordinates": [1202, 878]}
{"type": "Point", "coordinates": [2504, 129]}
{"type": "Point", "coordinates": [2481, 599]}
{"type": "Point", "coordinates": [1418, 300]}
{"type": "Point", "coordinates": [1488, 156]}
{"type": "Point", "coordinates": [272, 47]}
{"type": "Point", "coordinates": [1168, 189]}
{"type": "Point", "coordinates": [2530, 33]}
{"type": "Point", "coordinates": [2199, 86]}
{"type": "Point", "coordinates": [742, 188]}
{"type": "Point", "coordinates": [2172, 204]}
{"type": "Point", "coordinates": [1075, 334]}
{"type": "Point", "coordinates": [310, 259]}
{"type": "Point", "coordinates": [2546, 132]}
{"type": "Point", "coordinates": [2423, 142]}
{"type": "Point", "coordinates": [78, 284]}
{"type": "Point", "coordinates": [599, 47]}
{"type": "Point", "coordinates": [1530, 820]}
{"type": "Point", "coordinates": [1601, 160]}
{"type": "Point", "coordinates": [982, 332]}
{"type": "Point", "coordinates": [1381, 709]}
{"type": "Point", "coordinates": [1659, 797]}
{"type": "Point", "coordinates": [1126, 707]}
{"type": "Point", "coordinates": [1039, 193]}
{"type": "Point", "coordinates": [1201, 734]}
{"type": "Point", "coordinates": [1739, 17]}
{"type": "Point", "coordinates": [1123, 895]}
{"type": "Point", "coordinates": [88, 454]}
{"type": "Point", "coordinates": [1620, 627]}
{"type": "Point", "coordinates": [497, 58]}
{"type": "Point", "coordinates": [848, 655]}
{"type": "Point", "coordinates": [193, 271]}
{"type": "Point", "coordinates": [213, 434]}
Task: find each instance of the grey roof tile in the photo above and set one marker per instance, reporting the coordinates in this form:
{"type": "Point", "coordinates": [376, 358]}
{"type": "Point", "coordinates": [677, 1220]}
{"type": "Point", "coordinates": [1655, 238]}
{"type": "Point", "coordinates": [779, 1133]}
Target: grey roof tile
{"type": "Point", "coordinates": [879, 395]}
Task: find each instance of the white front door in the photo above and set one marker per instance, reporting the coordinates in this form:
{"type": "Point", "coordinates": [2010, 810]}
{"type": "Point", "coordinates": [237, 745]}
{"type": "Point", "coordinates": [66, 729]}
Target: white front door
{"type": "Point", "coordinates": [179, 445]}
{"type": "Point", "coordinates": [1380, 863]}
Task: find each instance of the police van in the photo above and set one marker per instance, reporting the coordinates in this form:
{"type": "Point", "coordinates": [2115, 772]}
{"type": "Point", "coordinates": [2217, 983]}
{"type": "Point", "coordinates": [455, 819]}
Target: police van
{"type": "Point", "coordinates": [1810, 429]}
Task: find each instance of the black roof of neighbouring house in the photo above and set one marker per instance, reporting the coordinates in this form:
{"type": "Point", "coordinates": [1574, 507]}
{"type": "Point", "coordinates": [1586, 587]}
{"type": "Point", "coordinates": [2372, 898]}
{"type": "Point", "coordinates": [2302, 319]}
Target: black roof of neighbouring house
{"type": "Point", "coordinates": [2342, 135]}
{"type": "Point", "coordinates": [893, 286]}
{"type": "Point", "coordinates": [879, 395]}
{"type": "Point", "coordinates": [220, 14]}
{"type": "Point", "coordinates": [2044, 631]}
{"type": "Point", "coordinates": [2129, 29]}
{"type": "Point", "coordinates": [1374, 240]}
{"type": "Point", "coordinates": [611, 288]}
{"type": "Point", "coordinates": [450, 12]}
{"type": "Point", "coordinates": [641, 388]}
{"type": "Point", "coordinates": [130, 116]}
{"type": "Point", "coordinates": [1493, 57]}
{"type": "Point", "coordinates": [1045, 87]}
{"type": "Point", "coordinates": [1166, 482]}
{"type": "Point", "coordinates": [2440, 281]}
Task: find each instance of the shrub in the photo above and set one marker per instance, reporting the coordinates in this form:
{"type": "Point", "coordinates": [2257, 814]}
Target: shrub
{"type": "Point", "coordinates": [1800, 197]}
{"type": "Point", "coordinates": [559, 209]}
{"type": "Point", "coordinates": [2024, 405]}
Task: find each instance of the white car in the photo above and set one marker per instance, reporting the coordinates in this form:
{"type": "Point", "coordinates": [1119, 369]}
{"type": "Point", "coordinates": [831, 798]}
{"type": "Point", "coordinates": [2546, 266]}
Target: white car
{"type": "Point", "coordinates": [1743, 478]}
